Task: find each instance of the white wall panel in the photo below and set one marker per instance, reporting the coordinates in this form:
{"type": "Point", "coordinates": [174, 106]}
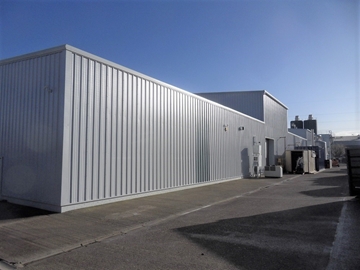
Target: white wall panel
{"type": "Point", "coordinates": [31, 111]}
{"type": "Point", "coordinates": [131, 134]}
{"type": "Point", "coordinates": [80, 129]}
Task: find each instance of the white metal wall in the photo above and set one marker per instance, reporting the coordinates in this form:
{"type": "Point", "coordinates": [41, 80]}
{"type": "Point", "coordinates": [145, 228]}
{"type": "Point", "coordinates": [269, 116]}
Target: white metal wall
{"type": "Point", "coordinates": [263, 106]}
{"type": "Point", "coordinates": [249, 102]}
{"type": "Point", "coordinates": [31, 111]}
{"type": "Point", "coordinates": [125, 133]}
{"type": "Point", "coordinates": [275, 118]}
{"type": "Point", "coordinates": [76, 129]}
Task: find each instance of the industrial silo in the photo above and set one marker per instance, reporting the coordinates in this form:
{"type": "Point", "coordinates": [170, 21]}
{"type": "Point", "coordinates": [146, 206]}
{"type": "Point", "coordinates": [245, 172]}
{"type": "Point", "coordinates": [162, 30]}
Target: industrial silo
{"type": "Point", "coordinates": [297, 123]}
{"type": "Point", "coordinates": [311, 123]}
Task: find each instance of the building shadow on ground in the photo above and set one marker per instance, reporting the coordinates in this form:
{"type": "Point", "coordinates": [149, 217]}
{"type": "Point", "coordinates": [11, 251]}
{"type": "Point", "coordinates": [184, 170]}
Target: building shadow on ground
{"type": "Point", "coordinates": [13, 211]}
{"type": "Point", "coordinates": [336, 186]}
{"type": "Point", "coordinates": [336, 170]}
{"type": "Point", "coordinates": [293, 239]}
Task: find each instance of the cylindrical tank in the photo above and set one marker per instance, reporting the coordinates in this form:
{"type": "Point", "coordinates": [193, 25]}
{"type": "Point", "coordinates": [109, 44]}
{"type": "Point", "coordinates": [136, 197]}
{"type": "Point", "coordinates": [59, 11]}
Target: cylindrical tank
{"type": "Point", "coordinates": [311, 123]}
{"type": "Point", "coordinates": [298, 123]}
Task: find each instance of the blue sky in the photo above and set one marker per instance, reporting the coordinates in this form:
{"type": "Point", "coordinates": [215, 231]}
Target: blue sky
{"type": "Point", "coordinates": [305, 53]}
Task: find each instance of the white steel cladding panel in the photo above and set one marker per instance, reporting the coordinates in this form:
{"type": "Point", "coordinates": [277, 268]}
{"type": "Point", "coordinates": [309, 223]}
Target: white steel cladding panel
{"type": "Point", "coordinates": [127, 134]}
{"type": "Point", "coordinates": [31, 94]}
{"type": "Point", "coordinates": [248, 102]}
{"type": "Point", "coordinates": [275, 118]}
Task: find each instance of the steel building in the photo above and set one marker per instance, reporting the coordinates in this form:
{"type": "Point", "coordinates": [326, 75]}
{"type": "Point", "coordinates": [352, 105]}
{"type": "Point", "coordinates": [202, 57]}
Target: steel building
{"type": "Point", "coordinates": [77, 130]}
{"type": "Point", "coordinates": [264, 107]}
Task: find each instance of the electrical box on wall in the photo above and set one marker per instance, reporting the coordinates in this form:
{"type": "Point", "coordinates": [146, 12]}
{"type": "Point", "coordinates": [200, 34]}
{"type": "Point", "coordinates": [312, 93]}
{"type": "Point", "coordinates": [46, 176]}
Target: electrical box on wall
{"type": "Point", "coordinates": [257, 149]}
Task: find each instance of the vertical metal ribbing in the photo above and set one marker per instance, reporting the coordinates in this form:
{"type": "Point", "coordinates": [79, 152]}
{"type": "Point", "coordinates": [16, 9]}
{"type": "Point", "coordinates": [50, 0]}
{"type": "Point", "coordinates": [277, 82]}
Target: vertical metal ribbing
{"type": "Point", "coordinates": [144, 133]}
{"type": "Point", "coordinates": [212, 144]}
{"type": "Point", "coordinates": [158, 137]}
{"type": "Point", "coordinates": [183, 147]}
{"type": "Point", "coordinates": [124, 134]}
{"type": "Point", "coordinates": [15, 112]}
{"type": "Point", "coordinates": [161, 137]}
{"type": "Point", "coordinates": [90, 133]}
{"type": "Point", "coordinates": [141, 135]}
{"type": "Point", "coordinates": [21, 101]}
{"type": "Point", "coordinates": [96, 132]}
{"type": "Point", "coordinates": [151, 137]}
{"type": "Point", "coordinates": [154, 136]}
{"type": "Point", "coordinates": [165, 160]}
{"type": "Point", "coordinates": [138, 131]}
{"type": "Point", "coordinates": [114, 137]}
{"type": "Point", "coordinates": [134, 138]}
{"type": "Point", "coordinates": [176, 139]}
{"type": "Point", "coordinates": [119, 133]}
{"type": "Point", "coordinates": [102, 131]}
{"type": "Point", "coordinates": [128, 133]}
{"type": "Point", "coordinates": [133, 141]}
{"type": "Point", "coordinates": [146, 116]}
{"type": "Point", "coordinates": [191, 139]}
{"type": "Point", "coordinates": [129, 141]}
{"type": "Point", "coordinates": [171, 138]}
{"type": "Point", "coordinates": [29, 91]}
{"type": "Point", "coordinates": [208, 145]}
{"type": "Point", "coordinates": [82, 150]}
{"type": "Point", "coordinates": [75, 132]}
{"type": "Point", "coordinates": [186, 140]}
{"type": "Point", "coordinates": [108, 129]}
{"type": "Point", "coordinates": [216, 143]}
{"type": "Point", "coordinates": [180, 146]}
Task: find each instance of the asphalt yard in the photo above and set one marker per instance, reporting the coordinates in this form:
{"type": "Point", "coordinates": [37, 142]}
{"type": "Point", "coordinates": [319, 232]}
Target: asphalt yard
{"type": "Point", "coordinates": [294, 222]}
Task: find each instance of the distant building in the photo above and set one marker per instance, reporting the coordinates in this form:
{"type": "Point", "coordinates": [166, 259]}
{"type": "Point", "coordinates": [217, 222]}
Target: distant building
{"type": "Point", "coordinates": [347, 141]}
{"type": "Point", "coordinates": [308, 135]}
{"type": "Point", "coordinates": [328, 138]}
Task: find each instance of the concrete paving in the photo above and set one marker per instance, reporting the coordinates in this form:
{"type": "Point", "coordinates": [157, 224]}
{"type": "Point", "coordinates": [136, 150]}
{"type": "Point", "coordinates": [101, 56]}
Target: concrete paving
{"type": "Point", "coordinates": [28, 234]}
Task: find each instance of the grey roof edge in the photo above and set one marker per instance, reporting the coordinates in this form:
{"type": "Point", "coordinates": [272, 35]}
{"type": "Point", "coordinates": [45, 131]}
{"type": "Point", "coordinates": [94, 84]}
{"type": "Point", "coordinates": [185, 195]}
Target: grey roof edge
{"type": "Point", "coordinates": [263, 92]}
{"type": "Point", "coordinates": [233, 92]}
{"type": "Point", "coordinates": [275, 99]}
{"type": "Point", "coordinates": [33, 54]}
{"type": "Point", "coordinates": [94, 57]}
{"type": "Point", "coordinates": [308, 131]}
{"type": "Point", "coordinates": [290, 133]}
{"type": "Point", "coordinates": [136, 73]}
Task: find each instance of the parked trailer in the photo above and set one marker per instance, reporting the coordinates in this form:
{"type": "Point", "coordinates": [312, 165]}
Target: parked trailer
{"type": "Point", "coordinates": [300, 161]}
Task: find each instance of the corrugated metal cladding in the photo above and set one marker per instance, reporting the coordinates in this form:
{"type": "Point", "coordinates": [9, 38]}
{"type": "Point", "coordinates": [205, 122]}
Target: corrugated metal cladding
{"type": "Point", "coordinates": [247, 102]}
{"type": "Point", "coordinates": [78, 130]}
{"type": "Point", "coordinates": [275, 118]}
{"type": "Point", "coordinates": [125, 133]}
{"type": "Point", "coordinates": [258, 104]}
{"type": "Point", "coordinates": [293, 140]}
{"type": "Point", "coordinates": [31, 112]}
